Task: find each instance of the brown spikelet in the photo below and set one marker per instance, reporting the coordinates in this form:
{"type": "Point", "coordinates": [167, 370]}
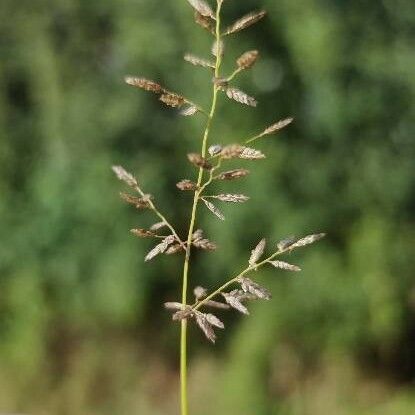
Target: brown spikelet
{"type": "Point", "coordinates": [233, 198]}
{"type": "Point", "coordinates": [245, 21]}
{"type": "Point", "coordinates": [235, 302]}
{"type": "Point", "coordinates": [174, 249]}
{"type": "Point", "coordinates": [257, 252]}
{"type": "Point", "coordinates": [231, 151]}
{"type": "Point", "coordinates": [278, 126]}
{"type": "Point", "coordinates": [248, 59]}
{"type": "Point", "coordinates": [233, 174]}
{"type": "Point", "coordinates": [206, 22]}
{"type": "Point", "coordinates": [285, 266]}
{"type": "Point", "coordinates": [251, 154]}
{"type": "Point", "coordinates": [215, 149]}
{"type": "Point", "coordinates": [124, 176]}
{"type": "Point", "coordinates": [138, 202]}
{"type": "Point", "coordinates": [214, 321]}
{"type": "Point", "coordinates": [189, 110]}
{"type": "Point", "coordinates": [172, 100]}
{"type": "Point", "coordinates": [186, 185]}
{"type": "Point", "coordinates": [252, 287]}
{"type": "Point", "coordinates": [183, 314]}
{"type": "Point", "coordinates": [144, 83]}
{"type": "Point", "coordinates": [160, 248]}
{"type": "Point", "coordinates": [202, 7]}
{"type": "Point", "coordinates": [221, 83]}
{"type": "Point", "coordinates": [218, 48]}
{"type": "Point", "coordinates": [241, 97]}
{"type": "Point", "coordinates": [200, 242]}
{"type": "Point", "coordinates": [205, 326]}
{"type": "Point", "coordinates": [142, 233]}
{"type": "Point", "coordinates": [194, 60]}
{"type": "Point", "coordinates": [213, 209]}
{"type": "Point", "coordinates": [199, 161]}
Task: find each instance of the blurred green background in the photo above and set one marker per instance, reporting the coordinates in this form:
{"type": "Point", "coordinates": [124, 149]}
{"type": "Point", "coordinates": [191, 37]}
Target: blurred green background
{"type": "Point", "coordinates": [82, 329]}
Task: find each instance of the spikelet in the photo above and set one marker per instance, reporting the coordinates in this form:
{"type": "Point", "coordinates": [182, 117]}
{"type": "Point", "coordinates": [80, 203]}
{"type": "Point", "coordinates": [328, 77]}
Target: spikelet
{"type": "Point", "coordinates": [172, 100]}
{"type": "Point", "coordinates": [183, 314]}
{"type": "Point", "coordinates": [194, 60]}
{"type": "Point", "coordinates": [173, 306]}
{"type": "Point", "coordinates": [257, 252]}
{"type": "Point", "coordinates": [235, 302]}
{"type": "Point", "coordinates": [286, 243]}
{"type": "Point", "coordinates": [124, 176]}
{"type": "Point", "coordinates": [199, 161]}
{"type": "Point", "coordinates": [307, 240]}
{"type": "Point", "coordinates": [202, 7]}
{"type": "Point", "coordinates": [142, 233]}
{"type": "Point", "coordinates": [285, 266]}
{"type": "Point", "coordinates": [241, 97]}
{"type": "Point", "coordinates": [138, 202]}
{"type": "Point", "coordinates": [186, 185]}
{"type": "Point", "coordinates": [252, 287]}
{"type": "Point", "coordinates": [245, 21]}
{"type": "Point", "coordinates": [233, 198]}
{"type": "Point", "coordinates": [160, 248]}
{"type": "Point", "coordinates": [206, 22]}
{"type": "Point", "coordinates": [189, 111]}
{"type": "Point", "coordinates": [202, 243]}
{"type": "Point", "coordinates": [215, 149]}
{"type": "Point", "coordinates": [218, 48]}
{"type": "Point", "coordinates": [277, 126]}
{"type": "Point", "coordinates": [248, 59]}
{"type": "Point", "coordinates": [213, 209]}
{"type": "Point", "coordinates": [214, 321]}
{"type": "Point", "coordinates": [233, 174]}
{"type": "Point", "coordinates": [251, 154]}
{"type": "Point", "coordinates": [205, 326]}
{"type": "Point", "coordinates": [200, 292]}
{"type": "Point", "coordinates": [157, 226]}
{"type": "Point", "coordinates": [220, 83]}
{"type": "Point", "coordinates": [144, 83]}
{"type": "Point", "coordinates": [174, 249]}
{"type": "Point", "coordinates": [231, 151]}
{"type": "Point", "coordinates": [216, 304]}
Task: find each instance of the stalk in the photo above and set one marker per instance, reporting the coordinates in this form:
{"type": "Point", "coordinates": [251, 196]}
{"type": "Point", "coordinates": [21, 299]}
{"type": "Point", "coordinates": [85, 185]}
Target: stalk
{"type": "Point", "coordinates": [183, 334]}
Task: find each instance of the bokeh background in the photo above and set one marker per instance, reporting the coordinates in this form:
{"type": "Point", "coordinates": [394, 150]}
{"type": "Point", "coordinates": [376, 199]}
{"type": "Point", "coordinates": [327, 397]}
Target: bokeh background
{"type": "Point", "coordinates": [82, 329]}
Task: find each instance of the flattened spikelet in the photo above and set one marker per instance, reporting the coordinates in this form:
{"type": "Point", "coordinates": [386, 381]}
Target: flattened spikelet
{"type": "Point", "coordinates": [160, 248]}
{"type": "Point", "coordinates": [186, 185]}
{"type": "Point", "coordinates": [213, 209]}
{"type": "Point", "coordinates": [285, 266]}
{"type": "Point", "coordinates": [205, 244]}
{"type": "Point", "coordinates": [252, 287]}
{"type": "Point", "coordinates": [217, 304]}
{"type": "Point", "coordinates": [241, 97]}
{"type": "Point", "coordinates": [198, 161]}
{"type": "Point", "coordinates": [245, 21]}
{"type": "Point", "coordinates": [194, 60]}
{"type": "Point", "coordinates": [142, 233]}
{"type": "Point", "coordinates": [251, 154]}
{"type": "Point", "coordinates": [124, 176]}
{"type": "Point", "coordinates": [235, 303]}
{"type": "Point", "coordinates": [202, 7]}
{"type": "Point", "coordinates": [232, 198]}
{"type": "Point", "coordinates": [257, 252]}
{"type": "Point", "coordinates": [205, 326]}
{"type": "Point", "coordinates": [206, 22]}
{"type": "Point", "coordinates": [307, 240]}
{"type": "Point", "coordinates": [189, 111]}
{"type": "Point", "coordinates": [144, 83]}
{"type": "Point", "coordinates": [278, 126]}
{"type": "Point", "coordinates": [214, 321]}
{"type": "Point", "coordinates": [172, 100]}
{"type": "Point", "coordinates": [248, 59]}
{"type": "Point", "coordinates": [138, 202]}
{"type": "Point", "coordinates": [173, 306]}
{"type": "Point", "coordinates": [200, 292]}
{"type": "Point", "coordinates": [157, 226]}
{"type": "Point", "coordinates": [215, 149]}
{"type": "Point", "coordinates": [231, 151]}
{"type": "Point", "coordinates": [233, 174]}
{"type": "Point", "coordinates": [174, 249]}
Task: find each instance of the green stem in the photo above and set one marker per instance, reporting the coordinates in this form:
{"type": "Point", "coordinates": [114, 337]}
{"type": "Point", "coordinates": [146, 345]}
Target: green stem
{"type": "Point", "coordinates": [183, 336]}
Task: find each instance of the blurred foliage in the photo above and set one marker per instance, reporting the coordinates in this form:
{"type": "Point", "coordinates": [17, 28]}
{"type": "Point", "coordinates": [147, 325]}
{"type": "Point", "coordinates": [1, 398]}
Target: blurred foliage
{"type": "Point", "coordinates": [81, 325]}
